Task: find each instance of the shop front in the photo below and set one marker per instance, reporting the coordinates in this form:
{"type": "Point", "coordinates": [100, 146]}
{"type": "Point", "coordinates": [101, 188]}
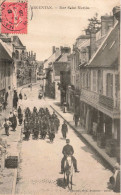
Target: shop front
{"type": "Point", "coordinates": [70, 98]}
{"type": "Point", "coordinates": [77, 102]}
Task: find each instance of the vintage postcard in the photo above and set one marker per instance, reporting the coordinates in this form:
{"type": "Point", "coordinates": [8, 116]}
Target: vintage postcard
{"type": "Point", "coordinates": [60, 97]}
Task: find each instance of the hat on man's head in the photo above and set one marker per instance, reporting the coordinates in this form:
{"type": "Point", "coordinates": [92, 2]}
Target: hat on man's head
{"type": "Point", "coordinates": [67, 141]}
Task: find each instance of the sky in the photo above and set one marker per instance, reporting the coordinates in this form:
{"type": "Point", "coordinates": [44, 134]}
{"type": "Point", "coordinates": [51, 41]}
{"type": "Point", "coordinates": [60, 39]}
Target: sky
{"type": "Point", "coordinates": [60, 25]}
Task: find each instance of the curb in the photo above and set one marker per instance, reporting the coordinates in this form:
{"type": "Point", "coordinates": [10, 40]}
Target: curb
{"type": "Point", "coordinates": [14, 182]}
{"type": "Point", "coordinates": [85, 140]}
{"type": "Point", "coordinates": [16, 170]}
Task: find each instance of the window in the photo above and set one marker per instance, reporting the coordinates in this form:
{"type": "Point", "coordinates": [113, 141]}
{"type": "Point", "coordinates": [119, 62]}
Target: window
{"type": "Point", "coordinates": [109, 85]}
{"type": "Point", "coordinates": [83, 80]}
{"type": "Point", "coordinates": [94, 81]}
{"type": "Point", "coordinates": [100, 81]}
{"type": "Point", "coordinates": [8, 71]}
{"type": "Point", "coordinates": [117, 83]}
{"type": "Point", "coordinates": [77, 61]}
{"type": "Point", "coordinates": [89, 81]}
{"type": "Point", "coordinates": [17, 54]}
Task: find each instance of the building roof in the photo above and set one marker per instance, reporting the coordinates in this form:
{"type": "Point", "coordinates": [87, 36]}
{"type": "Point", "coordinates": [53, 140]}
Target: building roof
{"type": "Point", "coordinates": [52, 58]}
{"type": "Point", "coordinates": [107, 55]}
{"type": "Point", "coordinates": [17, 41]}
{"type": "Point", "coordinates": [64, 57]}
{"type": "Point", "coordinates": [5, 52]}
{"type": "Point", "coordinates": [84, 44]}
{"type": "Point", "coordinates": [61, 66]}
{"type": "Point", "coordinates": [83, 37]}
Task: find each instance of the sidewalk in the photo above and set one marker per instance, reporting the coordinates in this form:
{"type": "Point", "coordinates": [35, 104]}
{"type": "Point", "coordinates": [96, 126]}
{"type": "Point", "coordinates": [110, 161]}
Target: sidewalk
{"type": "Point", "coordinates": [8, 177]}
{"type": "Point", "coordinates": [111, 161]}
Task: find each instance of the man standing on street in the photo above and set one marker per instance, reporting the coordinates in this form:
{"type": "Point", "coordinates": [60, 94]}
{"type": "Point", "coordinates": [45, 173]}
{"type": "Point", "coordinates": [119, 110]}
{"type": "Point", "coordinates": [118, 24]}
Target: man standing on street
{"type": "Point", "coordinates": [64, 129]}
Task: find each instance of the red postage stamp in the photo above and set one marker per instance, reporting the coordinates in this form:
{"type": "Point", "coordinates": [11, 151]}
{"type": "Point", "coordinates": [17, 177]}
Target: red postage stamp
{"type": "Point", "coordinates": [14, 17]}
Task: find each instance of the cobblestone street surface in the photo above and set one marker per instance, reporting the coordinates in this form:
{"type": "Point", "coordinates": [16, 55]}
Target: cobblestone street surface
{"type": "Point", "coordinates": [40, 161]}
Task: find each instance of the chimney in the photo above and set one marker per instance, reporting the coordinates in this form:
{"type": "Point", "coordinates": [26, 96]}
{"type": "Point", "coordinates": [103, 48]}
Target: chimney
{"type": "Point", "coordinates": [31, 53]}
{"type": "Point", "coordinates": [53, 49]}
{"type": "Point", "coordinates": [106, 23]}
{"type": "Point", "coordinates": [34, 56]}
{"type": "Point", "coordinates": [116, 13]}
{"type": "Point", "coordinates": [92, 42]}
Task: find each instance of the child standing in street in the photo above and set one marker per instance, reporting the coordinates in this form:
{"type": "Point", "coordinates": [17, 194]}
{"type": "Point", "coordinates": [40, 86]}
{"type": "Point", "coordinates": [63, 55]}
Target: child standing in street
{"type": "Point", "coordinates": [6, 126]}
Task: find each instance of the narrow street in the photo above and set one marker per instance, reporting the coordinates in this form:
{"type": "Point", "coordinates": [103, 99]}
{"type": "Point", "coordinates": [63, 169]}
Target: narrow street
{"type": "Point", "coordinates": [40, 161]}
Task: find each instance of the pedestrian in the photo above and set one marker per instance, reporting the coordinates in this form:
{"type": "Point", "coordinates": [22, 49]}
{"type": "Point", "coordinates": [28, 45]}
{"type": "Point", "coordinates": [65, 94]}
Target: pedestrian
{"type": "Point", "coordinates": [54, 115]}
{"type": "Point", "coordinates": [57, 123]}
{"type": "Point", "coordinates": [4, 105]}
{"type": "Point", "coordinates": [20, 118]}
{"type": "Point", "coordinates": [76, 119]}
{"type": "Point", "coordinates": [15, 99]}
{"type": "Point", "coordinates": [25, 97]}
{"type": "Point", "coordinates": [31, 87]}
{"type": "Point", "coordinates": [6, 96]}
{"type": "Point", "coordinates": [11, 118]}
{"type": "Point", "coordinates": [19, 110]}
{"type": "Point", "coordinates": [26, 129]}
{"type": "Point", "coordinates": [6, 126]}
{"type": "Point", "coordinates": [64, 107]}
{"type": "Point", "coordinates": [20, 96]}
{"type": "Point", "coordinates": [14, 124]}
{"type": "Point", "coordinates": [64, 129]}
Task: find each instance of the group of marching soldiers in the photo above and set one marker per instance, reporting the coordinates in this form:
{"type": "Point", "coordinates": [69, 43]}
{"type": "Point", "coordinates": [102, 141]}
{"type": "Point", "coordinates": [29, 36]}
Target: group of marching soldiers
{"type": "Point", "coordinates": [40, 122]}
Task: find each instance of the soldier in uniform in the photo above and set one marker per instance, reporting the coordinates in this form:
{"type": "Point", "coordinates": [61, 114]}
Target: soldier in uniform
{"type": "Point", "coordinates": [68, 150]}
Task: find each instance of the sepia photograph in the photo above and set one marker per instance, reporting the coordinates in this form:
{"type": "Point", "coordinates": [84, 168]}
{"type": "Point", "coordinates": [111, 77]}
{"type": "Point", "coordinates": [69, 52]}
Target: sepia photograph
{"type": "Point", "coordinates": [60, 97]}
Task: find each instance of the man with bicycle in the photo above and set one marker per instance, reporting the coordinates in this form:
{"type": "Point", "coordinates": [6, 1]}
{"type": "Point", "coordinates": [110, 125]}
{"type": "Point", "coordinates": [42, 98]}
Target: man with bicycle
{"type": "Point", "coordinates": [68, 151]}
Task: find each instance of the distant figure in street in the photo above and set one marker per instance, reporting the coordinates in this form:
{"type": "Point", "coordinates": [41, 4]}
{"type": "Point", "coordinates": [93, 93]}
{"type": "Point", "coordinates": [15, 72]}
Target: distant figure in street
{"type": "Point", "coordinates": [64, 129]}
{"type": "Point", "coordinates": [25, 97]}
{"type": "Point", "coordinates": [76, 119]}
{"type": "Point", "coordinates": [20, 96]}
{"type": "Point", "coordinates": [4, 105]}
{"type": "Point", "coordinates": [6, 96]}
{"type": "Point", "coordinates": [20, 115]}
{"type": "Point", "coordinates": [15, 99]}
{"type": "Point", "coordinates": [31, 86]}
{"type": "Point", "coordinates": [14, 124]}
{"type": "Point", "coordinates": [11, 118]}
{"type": "Point", "coordinates": [6, 126]}
{"type": "Point", "coordinates": [54, 115]}
{"type": "Point", "coordinates": [64, 107]}
{"type": "Point", "coordinates": [19, 110]}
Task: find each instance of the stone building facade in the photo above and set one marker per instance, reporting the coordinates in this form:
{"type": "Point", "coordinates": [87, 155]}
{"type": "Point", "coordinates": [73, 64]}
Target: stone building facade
{"type": "Point", "coordinates": [95, 85]}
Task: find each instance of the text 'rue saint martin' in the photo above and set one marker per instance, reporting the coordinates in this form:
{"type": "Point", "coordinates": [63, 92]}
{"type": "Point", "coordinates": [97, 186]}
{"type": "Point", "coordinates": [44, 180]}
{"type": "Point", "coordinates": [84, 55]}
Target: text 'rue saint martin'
{"type": "Point", "coordinates": [60, 7]}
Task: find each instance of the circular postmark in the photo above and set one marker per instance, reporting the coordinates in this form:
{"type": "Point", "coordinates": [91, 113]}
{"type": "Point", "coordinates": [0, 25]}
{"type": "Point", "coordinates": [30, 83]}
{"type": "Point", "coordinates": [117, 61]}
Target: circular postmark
{"type": "Point", "coordinates": [14, 16]}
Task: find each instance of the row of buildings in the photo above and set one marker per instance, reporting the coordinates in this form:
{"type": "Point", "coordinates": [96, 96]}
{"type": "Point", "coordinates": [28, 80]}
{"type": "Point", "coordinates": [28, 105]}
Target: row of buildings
{"type": "Point", "coordinates": [88, 79]}
{"type": "Point", "coordinates": [17, 67]}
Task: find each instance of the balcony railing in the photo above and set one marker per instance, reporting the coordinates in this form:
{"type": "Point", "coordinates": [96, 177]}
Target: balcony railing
{"type": "Point", "coordinates": [101, 102]}
{"type": "Point", "coordinates": [90, 96]}
{"type": "Point", "coordinates": [99, 99]}
{"type": "Point", "coordinates": [107, 102]}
